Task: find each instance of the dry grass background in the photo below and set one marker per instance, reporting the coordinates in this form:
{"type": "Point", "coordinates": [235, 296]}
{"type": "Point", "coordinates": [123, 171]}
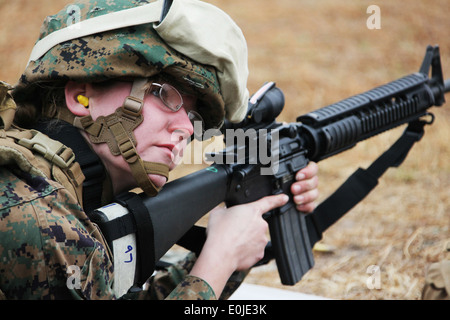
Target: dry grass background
{"type": "Point", "coordinates": [320, 52]}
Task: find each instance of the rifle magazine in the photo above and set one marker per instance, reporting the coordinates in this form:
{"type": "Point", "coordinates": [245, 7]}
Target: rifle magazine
{"type": "Point", "coordinates": [291, 244]}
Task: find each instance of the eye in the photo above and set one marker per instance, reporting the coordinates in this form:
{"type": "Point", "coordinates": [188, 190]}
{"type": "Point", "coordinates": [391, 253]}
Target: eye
{"type": "Point", "coordinates": [155, 92]}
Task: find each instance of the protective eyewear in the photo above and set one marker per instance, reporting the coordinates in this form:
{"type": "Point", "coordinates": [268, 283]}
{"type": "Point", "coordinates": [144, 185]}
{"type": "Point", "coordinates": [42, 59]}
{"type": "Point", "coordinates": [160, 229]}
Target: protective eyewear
{"type": "Point", "coordinates": [173, 100]}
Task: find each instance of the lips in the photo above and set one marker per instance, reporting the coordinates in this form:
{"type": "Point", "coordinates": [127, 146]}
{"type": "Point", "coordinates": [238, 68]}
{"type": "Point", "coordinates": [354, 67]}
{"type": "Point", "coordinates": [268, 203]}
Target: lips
{"type": "Point", "coordinates": [167, 146]}
{"type": "Point", "coordinates": [172, 151]}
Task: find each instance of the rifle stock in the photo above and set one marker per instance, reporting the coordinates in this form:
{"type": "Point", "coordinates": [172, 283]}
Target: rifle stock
{"type": "Point", "coordinates": [315, 136]}
{"type": "Point", "coordinates": [180, 205]}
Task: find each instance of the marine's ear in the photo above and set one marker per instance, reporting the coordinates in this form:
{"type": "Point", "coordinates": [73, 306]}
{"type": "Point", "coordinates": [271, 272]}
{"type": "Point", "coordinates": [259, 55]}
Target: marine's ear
{"type": "Point", "coordinates": [76, 102]}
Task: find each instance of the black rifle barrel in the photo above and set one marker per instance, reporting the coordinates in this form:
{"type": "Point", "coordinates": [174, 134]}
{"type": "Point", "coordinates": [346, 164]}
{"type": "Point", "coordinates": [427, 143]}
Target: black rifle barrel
{"type": "Point", "coordinates": [447, 85]}
{"type": "Point", "coordinates": [338, 127]}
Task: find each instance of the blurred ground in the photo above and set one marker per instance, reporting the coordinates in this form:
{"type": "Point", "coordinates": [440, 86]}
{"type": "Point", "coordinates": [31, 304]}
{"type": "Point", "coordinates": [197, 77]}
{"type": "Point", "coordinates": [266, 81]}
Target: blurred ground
{"type": "Point", "coordinates": [320, 52]}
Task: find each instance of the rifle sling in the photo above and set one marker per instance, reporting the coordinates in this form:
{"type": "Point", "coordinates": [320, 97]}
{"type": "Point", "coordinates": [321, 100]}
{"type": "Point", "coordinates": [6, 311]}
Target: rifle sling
{"type": "Point", "coordinates": [144, 236]}
{"type": "Point", "coordinates": [361, 183]}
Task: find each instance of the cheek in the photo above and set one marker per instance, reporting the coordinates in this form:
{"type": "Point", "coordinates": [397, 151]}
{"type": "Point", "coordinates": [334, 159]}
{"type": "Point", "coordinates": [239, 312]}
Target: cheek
{"type": "Point", "coordinates": [106, 103]}
{"type": "Point", "coordinates": [153, 125]}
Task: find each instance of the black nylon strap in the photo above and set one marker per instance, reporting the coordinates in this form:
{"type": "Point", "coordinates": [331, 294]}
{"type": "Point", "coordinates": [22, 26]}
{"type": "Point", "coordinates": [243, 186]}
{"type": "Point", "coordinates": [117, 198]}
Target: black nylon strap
{"type": "Point", "coordinates": [361, 183]}
{"type": "Point", "coordinates": [118, 228]}
{"type": "Point", "coordinates": [351, 192]}
{"type": "Point", "coordinates": [144, 236]}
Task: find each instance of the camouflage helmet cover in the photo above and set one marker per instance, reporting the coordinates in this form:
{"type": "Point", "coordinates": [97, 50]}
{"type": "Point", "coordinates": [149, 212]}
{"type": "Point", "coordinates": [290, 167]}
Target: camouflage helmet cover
{"type": "Point", "coordinates": [136, 51]}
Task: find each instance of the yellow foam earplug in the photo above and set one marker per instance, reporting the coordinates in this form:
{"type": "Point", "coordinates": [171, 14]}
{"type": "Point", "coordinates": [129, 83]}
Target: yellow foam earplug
{"type": "Point", "coordinates": [83, 101]}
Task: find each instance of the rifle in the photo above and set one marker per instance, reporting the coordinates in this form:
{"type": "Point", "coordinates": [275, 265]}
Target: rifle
{"type": "Point", "coordinates": [149, 227]}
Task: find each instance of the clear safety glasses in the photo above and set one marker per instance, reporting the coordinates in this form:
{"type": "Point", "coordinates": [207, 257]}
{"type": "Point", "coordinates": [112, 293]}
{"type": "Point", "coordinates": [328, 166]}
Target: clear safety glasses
{"type": "Point", "coordinates": [173, 100]}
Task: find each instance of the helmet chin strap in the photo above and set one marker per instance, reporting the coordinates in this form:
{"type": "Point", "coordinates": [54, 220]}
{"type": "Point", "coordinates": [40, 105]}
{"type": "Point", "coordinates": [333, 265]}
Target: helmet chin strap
{"type": "Point", "coordinates": [116, 130]}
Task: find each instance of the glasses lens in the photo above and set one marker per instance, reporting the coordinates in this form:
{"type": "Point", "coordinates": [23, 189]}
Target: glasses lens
{"type": "Point", "coordinates": [171, 97]}
{"type": "Point", "coordinates": [196, 120]}
{"type": "Point", "coordinates": [173, 100]}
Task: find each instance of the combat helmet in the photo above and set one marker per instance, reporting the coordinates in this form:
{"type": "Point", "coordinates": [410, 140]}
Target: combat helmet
{"type": "Point", "coordinates": [190, 41]}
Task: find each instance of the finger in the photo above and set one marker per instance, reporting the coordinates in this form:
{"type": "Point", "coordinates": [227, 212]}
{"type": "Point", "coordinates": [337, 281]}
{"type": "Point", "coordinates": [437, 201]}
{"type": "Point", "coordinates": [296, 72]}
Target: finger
{"type": "Point", "coordinates": [311, 170]}
{"type": "Point", "coordinates": [306, 197]}
{"type": "Point", "coordinates": [304, 185]}
{"type": "Point", "coordinates": [307, 208]}
{"type": "Point", "coordinates": [270, 202]}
